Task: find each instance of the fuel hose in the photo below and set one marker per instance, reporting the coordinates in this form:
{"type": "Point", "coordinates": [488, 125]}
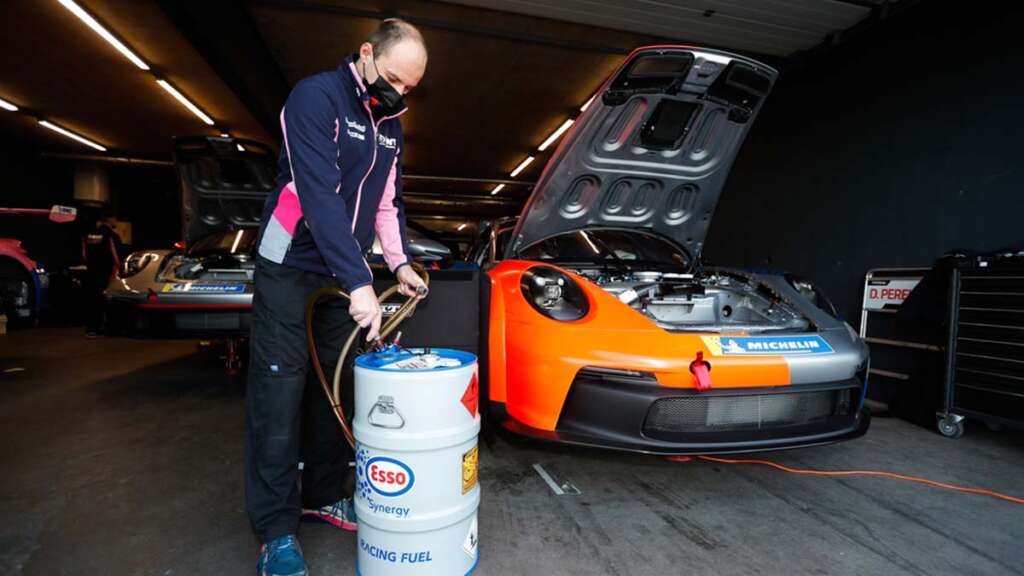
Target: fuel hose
{"type": "Point", "coordinates": [333, 388]}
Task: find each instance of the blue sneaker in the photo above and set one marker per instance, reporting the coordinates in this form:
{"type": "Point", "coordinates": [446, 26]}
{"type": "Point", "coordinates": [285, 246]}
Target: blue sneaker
{"type": "Point", "coordinates": [341, 514]}
{"type": "Point", "coordinates": [281, 557]}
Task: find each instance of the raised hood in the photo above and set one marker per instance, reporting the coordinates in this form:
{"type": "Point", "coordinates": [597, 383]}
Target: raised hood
{"type": "Point", "coordinates": [653, 149]}
{"type": "Point", "coordinates": [224, 183]}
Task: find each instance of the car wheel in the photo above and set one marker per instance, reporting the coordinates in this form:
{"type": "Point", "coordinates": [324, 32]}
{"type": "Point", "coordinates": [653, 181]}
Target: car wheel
{"type": "Point", "coordinates": [17, 294]}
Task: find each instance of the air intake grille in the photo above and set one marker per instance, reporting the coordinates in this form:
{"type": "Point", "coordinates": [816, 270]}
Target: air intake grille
{"type": "Point", "coordinates": [696, 414]}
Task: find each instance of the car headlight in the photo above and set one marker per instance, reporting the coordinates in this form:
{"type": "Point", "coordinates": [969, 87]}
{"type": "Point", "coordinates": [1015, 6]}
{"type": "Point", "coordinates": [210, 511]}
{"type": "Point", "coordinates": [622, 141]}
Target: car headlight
{"type": "Point", "coordinates": [554, 293]}
{"type": "Point", "coordinates": [812, 293]}
{"type": "Point", "coordinates": [135, 262]}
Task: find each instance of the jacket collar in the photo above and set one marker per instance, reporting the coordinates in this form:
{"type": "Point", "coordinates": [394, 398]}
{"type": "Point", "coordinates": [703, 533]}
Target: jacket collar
{"type": "Point", "coordinates": [349, 74]}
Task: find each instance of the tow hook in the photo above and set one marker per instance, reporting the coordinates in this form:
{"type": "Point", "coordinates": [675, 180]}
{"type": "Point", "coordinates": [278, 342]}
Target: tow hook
{"type": "Point", "coordinates": [701, 370]}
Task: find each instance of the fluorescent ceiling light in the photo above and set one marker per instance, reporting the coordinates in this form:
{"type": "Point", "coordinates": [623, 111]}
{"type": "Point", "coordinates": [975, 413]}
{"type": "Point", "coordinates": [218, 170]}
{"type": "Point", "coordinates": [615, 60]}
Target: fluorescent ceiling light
{"type": "Point", "coordinates": [497, 189]}
{"type": "Point", "coordinates": [522, 166]}
{"type": "Point", "coordinates": [225, 135]}
{"type": "Point", "coordinates": [7, 105]}
{"type": "Point", "coordinates": [99, 29]}
{"type": "Point", "coordinates": [72, 135]}
{"type": "Point", "coordinates": [554, 135]}
{"type": "Point", "coordinates": [184, 101]}
{"type": "Point", "coordinates": [461, 226]}
{"type": "Point", "coordinates": [587, 105]}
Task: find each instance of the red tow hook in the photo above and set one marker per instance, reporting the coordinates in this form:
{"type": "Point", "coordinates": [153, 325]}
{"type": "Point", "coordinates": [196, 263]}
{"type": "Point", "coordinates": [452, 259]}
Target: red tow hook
{"type": "Point", "coordinates": [701, 370]}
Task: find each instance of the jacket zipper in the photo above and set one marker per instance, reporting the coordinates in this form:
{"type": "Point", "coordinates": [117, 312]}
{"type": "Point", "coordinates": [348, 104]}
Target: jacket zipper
{"type": "Point", "coordinates": [373, 161]}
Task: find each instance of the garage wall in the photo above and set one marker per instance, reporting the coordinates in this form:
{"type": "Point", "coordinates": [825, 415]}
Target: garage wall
{"type": "Point", "coordinates": [888, 152]}
{"type": "Point", "coordinates": [29, 182]}
{"type": "Point", "coordinates": [146, 196]}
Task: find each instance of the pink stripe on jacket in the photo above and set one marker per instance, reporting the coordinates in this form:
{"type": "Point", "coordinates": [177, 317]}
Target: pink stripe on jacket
{"type": "Point", "coordinates": [387, 226]}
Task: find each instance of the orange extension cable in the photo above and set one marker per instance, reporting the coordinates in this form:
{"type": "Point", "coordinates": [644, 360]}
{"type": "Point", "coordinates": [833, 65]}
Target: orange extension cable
{"type": "Point", "coordinates": [878, 473]}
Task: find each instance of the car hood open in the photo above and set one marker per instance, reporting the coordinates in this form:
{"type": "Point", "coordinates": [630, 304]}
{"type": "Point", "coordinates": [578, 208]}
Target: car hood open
{"type": "Point", "coordinates": [653, 149]}
{"type": "Point", "coordinates": [224, 183]}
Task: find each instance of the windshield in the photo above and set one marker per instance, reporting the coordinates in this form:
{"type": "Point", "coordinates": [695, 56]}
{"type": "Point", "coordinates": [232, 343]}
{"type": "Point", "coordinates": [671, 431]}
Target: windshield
{"type": "Point", "coordinates": [229, 241]}
{"type": "Point", "coordinates": [601, 246]}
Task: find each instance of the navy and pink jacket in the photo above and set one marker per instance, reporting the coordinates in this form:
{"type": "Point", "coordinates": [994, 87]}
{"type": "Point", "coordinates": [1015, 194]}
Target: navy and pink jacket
{"type": "Point", "coordinates": [338, 184]}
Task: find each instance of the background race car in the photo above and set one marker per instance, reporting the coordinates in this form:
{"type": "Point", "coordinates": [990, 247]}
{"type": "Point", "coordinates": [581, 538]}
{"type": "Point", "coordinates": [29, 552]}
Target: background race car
{"type": "Point", "coordinates": [204, 286]}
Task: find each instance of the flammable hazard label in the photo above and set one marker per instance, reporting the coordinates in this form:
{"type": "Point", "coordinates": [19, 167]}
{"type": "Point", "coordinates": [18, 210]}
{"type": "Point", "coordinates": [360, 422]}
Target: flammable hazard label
{"type": "Point", "coordinates": [470, 462]}
{"type": "Point", "coordinates": [471, 397]}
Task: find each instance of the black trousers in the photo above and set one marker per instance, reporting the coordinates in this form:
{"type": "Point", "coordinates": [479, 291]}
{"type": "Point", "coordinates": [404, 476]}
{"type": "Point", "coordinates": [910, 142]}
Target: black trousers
{"type": "Point", "coordinates": [288, 416]}
{"type": "Point", "coordinates": [93, 287]}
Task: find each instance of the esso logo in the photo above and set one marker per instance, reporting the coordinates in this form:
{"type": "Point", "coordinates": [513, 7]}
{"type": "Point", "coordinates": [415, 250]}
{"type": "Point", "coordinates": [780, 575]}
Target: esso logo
{"type": "Point", "coordinates": [389, 477]}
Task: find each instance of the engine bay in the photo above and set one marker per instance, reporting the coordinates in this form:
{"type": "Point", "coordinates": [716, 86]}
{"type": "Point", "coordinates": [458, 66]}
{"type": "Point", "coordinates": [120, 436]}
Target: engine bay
{"type": "Point", "coordinates": [709, 302]}
{"type": "Point", "coordinates": [215, 266]}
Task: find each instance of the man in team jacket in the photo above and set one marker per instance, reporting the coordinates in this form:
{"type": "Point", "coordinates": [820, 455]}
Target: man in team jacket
{"type": "Point", "coordinates": [338, 186]}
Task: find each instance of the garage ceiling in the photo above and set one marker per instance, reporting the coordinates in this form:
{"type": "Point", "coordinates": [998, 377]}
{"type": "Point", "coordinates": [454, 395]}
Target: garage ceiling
{"type": "Point", "coordinates": [775, 27]}
{"type": "Point", "coordinates": [57, 68]}
{"type": "Point", "coordinates": [503, 74]}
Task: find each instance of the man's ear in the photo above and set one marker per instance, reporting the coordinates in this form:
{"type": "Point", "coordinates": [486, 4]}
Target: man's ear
{"type": "Point", "coordinates": [366, 50]}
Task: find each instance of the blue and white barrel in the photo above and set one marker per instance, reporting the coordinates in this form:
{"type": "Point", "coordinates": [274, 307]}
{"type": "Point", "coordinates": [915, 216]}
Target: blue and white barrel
{"type": "Point", "coordinates": [416, 423]}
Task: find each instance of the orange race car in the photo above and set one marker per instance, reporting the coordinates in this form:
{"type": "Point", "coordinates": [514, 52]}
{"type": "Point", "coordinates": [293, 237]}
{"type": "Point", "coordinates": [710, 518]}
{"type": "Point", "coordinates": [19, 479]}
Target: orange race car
{"type": "Point", "coordinates": [604, 329]}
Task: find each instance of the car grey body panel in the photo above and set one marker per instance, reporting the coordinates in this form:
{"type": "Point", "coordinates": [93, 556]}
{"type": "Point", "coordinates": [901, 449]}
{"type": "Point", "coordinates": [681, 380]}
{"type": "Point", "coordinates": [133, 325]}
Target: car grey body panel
{"type": "Point", "coordinates": [157, 278]}
{"type": "Point", "coordinates": [850, 352]}
{"type": "Point", "coordinates": [650, 160]}
{"type": "Point", "coordinates": [224, 184]}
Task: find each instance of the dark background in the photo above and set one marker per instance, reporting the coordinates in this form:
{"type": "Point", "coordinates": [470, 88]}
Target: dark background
{"type": "Point", "coordinates": [145, 196]}
{"type": "Point", "coordinates": [887, 152]}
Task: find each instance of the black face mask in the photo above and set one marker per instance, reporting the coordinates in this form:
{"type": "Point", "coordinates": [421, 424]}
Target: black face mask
{"type": "Point", "coordinates": [391, 101]}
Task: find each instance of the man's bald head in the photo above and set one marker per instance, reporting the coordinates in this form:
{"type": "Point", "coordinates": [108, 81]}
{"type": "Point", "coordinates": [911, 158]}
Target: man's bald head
{"type": "Point", "coordinates": [397, 52]}
{"type": "Point", "coordinates": [391, 32]}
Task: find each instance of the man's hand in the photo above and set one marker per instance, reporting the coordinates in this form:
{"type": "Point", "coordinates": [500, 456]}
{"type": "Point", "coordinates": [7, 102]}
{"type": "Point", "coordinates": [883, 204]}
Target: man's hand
{"type": "Point", "coordinates": [365, 310]}
{"type": "Point", "coordinates": [410, 283]}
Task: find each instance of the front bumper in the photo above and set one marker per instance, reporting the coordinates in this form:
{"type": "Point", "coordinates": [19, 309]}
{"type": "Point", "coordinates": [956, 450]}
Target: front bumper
{"type": "Point", "coordinates": [179, 319]}
{"type": "Point", "coordinates": [635, 413]}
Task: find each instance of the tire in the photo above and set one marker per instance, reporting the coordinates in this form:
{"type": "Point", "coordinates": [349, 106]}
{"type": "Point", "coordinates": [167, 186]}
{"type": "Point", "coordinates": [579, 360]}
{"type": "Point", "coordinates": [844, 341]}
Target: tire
{"type": "Point", "coordinates": [17, 294]}
{"type": "Point", "coordinates": [950, 428]}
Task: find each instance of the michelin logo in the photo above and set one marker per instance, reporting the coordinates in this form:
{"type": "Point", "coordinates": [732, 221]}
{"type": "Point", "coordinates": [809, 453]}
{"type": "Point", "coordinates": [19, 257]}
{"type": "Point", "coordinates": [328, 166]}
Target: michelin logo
{"type": "Point", "coordinates": [766, 345]}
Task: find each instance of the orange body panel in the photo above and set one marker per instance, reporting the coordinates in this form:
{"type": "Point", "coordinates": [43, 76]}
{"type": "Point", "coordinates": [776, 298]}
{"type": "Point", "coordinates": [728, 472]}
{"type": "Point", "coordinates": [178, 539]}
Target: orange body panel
{"type": "Point", "coordinates": [534, 359]}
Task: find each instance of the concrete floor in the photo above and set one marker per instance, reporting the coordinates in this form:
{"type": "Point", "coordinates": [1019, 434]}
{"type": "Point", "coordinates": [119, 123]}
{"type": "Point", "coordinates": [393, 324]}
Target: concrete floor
{"type": "Point", "coordinates": [124, 457]}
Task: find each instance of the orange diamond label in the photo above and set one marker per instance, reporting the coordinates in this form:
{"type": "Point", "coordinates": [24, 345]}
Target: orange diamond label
{"type": "Point", "coordinates": [471, 397]}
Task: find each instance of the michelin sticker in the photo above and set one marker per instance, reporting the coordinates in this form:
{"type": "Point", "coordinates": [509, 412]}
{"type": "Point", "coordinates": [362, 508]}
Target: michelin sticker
{"type": "Point", "coordinates": [767, 345]}
{"type": "Point", "coordinates": [207, 288]}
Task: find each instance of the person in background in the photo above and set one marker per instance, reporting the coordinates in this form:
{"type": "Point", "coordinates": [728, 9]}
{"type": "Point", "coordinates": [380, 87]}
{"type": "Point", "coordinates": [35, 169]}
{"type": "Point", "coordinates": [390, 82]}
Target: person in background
{"type": "Point", "coordinates": [101, 249]}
